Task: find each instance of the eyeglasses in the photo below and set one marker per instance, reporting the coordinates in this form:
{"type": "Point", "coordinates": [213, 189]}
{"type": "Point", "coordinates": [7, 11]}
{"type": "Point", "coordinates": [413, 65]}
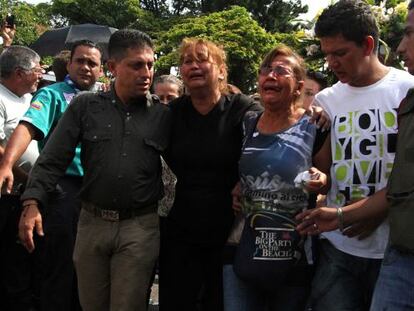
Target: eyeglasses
{"type": "Point", "coordinates": [278, 70]}
{"type": "Point", "coordinates": [36, 70]}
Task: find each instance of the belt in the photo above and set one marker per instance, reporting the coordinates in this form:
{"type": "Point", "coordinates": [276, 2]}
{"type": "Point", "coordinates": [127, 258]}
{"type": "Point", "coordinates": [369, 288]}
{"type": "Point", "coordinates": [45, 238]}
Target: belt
{"type": "Point", "coordinates": [118, 215]}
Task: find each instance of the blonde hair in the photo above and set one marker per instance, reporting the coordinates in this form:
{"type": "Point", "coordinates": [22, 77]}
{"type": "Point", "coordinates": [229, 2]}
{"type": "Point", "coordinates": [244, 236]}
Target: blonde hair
{"type": "Point", "coordinates": [215, 53]}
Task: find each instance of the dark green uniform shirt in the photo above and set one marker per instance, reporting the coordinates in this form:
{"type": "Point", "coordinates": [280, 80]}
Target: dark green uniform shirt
{"type": "Point", "coordinates": [120, 151]}
{"type": "Point", "coordinates": [401, 182]}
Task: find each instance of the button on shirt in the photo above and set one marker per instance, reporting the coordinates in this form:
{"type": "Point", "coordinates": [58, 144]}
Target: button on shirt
{"type": "Point", "coordinates": [120, 151]}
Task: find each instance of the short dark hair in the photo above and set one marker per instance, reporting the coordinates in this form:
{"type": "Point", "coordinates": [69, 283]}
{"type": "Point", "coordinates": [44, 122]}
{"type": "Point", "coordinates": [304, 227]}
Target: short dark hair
{"type": "Point", "coordinates": [353, 19]}
{"type": "Point", "coordinates": [125, 39]}
{"type": "Point", "coordinates": [411, 5]}
{"type": "Point", "coordinates": [87, 43]}
{"type": "Point", "coordinates": [318, 77]}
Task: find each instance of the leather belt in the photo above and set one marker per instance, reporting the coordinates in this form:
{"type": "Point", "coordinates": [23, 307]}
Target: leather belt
{"type": "Point", "coordinates": [118, 215]}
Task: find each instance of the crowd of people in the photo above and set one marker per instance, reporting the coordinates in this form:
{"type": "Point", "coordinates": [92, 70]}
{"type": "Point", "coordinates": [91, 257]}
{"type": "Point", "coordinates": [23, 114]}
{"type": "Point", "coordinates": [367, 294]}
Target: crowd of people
{"type": "Point", "coordinates": [219, 193]}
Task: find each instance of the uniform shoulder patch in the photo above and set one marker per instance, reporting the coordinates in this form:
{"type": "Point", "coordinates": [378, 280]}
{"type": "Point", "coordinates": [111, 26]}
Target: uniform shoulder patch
{"type": "Point", "coordinates": [36, 105]}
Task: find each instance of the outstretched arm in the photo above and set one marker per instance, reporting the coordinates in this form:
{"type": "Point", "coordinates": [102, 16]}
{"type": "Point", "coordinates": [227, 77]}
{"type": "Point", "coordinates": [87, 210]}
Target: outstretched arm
{"type": "Point", "coordinates": [325, 219]}
{"type": "Point", "coordinates": [16, 146]}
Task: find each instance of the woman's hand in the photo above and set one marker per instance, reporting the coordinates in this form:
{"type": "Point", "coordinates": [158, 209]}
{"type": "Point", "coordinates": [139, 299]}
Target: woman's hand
{"type": "Point", "coordinates": [318, 181]}
{"type": "Point", "coordinates": [320, 118]}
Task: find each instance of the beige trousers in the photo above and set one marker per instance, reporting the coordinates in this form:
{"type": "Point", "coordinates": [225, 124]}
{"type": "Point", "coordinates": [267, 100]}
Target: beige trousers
{"type": "Point", "coordinates": [114, 261]}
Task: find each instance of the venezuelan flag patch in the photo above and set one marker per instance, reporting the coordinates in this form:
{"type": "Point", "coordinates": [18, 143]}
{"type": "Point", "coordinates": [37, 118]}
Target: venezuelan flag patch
{"type": "Point", "coordinates": [36, 105]}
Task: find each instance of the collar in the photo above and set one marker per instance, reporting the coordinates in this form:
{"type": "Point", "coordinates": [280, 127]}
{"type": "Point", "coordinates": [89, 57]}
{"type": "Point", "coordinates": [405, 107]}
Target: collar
{"type": "Point", "coordinates": [2, 86]}
{"type": "Point", "coordinates": [111, 95]}
{"type": "Point", "coordinates": [12, 94]}
{"type": "Point", "coordinates": [72, 84]}
{"type": "Point", "coordinates": [222, 104]}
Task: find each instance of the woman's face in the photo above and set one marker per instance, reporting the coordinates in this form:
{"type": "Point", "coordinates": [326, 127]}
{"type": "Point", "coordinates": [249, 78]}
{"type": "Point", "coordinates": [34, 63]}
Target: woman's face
{"type": "Point", "coordinates": [278, 84]}
{"type": "Point", "coordinates": [199, 71]}
{"type": "Point", "coordinates": [311, 88]}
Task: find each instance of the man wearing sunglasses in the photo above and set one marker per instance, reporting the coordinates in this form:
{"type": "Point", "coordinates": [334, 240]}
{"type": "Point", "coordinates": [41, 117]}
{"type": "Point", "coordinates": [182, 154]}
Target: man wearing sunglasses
{"type": "Point", "coordinates": [362, 107]}
{"type": "Point", "coordinates": [20, 73]}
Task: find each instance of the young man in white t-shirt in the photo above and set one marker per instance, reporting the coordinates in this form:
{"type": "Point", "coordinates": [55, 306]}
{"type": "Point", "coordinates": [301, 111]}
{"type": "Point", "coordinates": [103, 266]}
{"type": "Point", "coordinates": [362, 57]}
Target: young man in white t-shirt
{"type": "Point", "coordinates": [362, 107]}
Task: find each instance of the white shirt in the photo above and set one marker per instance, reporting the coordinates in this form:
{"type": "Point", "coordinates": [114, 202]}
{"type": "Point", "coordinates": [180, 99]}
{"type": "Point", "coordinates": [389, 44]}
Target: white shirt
{"type": "Point", "coordinates": [363, 137]}
{"type": "Point", "coordinates": [12, 109]}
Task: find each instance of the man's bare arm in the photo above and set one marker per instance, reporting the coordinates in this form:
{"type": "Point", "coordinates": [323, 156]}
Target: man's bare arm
{"type": "Point", "coordinates": [16, 146]}
{"type": "Point", "coordinates": [326, 218]}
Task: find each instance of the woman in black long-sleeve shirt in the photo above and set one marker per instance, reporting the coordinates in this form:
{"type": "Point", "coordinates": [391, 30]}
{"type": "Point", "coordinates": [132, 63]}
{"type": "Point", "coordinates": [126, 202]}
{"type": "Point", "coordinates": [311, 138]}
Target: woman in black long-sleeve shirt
{"type": "Point", "coordinates": [204, 150]}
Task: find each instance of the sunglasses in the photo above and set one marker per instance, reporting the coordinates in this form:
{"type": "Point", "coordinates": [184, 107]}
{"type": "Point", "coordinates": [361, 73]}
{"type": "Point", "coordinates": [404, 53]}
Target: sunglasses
{"type": "Point", "coordinates": [278, 70]}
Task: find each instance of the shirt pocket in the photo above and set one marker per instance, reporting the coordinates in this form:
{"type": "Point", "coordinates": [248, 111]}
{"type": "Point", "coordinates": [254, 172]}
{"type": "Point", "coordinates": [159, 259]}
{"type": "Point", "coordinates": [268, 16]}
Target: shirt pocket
{"type": "Point", "coordinates": [95, 147]}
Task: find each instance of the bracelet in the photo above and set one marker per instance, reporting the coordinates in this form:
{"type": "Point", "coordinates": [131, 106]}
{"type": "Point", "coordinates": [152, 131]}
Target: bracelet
{"type": "Point", "coordinates": [340, 214]}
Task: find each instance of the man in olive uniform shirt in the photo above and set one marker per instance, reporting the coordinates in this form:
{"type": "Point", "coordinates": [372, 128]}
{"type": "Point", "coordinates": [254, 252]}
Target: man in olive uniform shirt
{"type": "Point", "coordinates": [122, 133]}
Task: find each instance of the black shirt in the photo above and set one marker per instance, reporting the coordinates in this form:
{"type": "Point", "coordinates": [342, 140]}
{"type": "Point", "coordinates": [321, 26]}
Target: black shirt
{"type": "Point", "coordinates": [203, 154]}
{"type": "Point", "coordinates": [120, 151]}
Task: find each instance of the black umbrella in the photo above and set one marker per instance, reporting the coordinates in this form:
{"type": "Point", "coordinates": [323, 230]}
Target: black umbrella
{"type": "Point", "coordinates": [53, 41]}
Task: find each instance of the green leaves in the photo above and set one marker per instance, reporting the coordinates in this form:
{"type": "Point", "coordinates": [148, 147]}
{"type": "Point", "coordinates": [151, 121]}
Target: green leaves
{"type": "Point", "coordinates": [247, 31]}
{"type": "Point", "coordinates": [243, 39]}
{"type": "Point", "coordinates": [30, 20]}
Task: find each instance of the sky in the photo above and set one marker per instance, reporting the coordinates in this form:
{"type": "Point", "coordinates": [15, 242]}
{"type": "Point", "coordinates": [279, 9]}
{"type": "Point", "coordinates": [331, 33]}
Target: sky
{"type": "Point", "coordinates": [314, 6]}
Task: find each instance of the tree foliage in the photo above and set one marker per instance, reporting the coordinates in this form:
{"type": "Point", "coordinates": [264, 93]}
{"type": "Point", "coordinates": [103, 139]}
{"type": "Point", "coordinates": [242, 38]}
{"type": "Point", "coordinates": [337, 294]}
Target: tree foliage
{"type": "Point", "coordinates": [30, 20]}
{"type": "Point", "coordinates": [246, 31]}
{"type": "Point", "coordinates": [388, 4]}
{"type": "Point", "coordinates": [243, 39]}
{"type": "Point", "coordinates": [157, 7]}
{"type": "Point", "coordinates": [391, 16]}
{"type": "Point", "coordinates": [114, 13]}
{"type": "Point", "coordinates": [276, 15]}
{"type": "Point", "coordinates": [272, 15]}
